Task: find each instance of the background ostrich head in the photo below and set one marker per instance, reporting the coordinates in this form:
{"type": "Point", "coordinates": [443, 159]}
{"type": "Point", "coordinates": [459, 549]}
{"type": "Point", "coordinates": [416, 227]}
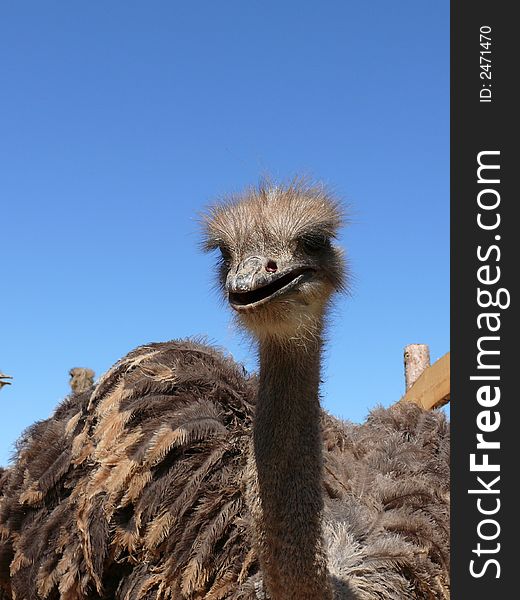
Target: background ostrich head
{"type": "Point", "coordinates": [279, 266]}
{"type": "Point", "coordinates": [3, 380]}
{"type": "Point", "coordinates": [81, 379]}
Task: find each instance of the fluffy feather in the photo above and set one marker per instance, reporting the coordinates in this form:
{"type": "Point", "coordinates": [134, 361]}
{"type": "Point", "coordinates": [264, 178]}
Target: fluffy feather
{"type": "Point", "coordinates": [158, 510]}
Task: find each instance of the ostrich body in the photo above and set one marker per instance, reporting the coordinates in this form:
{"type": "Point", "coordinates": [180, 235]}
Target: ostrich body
{"type": "Point", "coordinates": [179, 476]}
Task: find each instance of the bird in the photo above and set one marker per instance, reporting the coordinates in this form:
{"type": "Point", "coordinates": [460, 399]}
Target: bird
{"type": "Point", "coordinates": [81, 379]}
{"type": "Point", "coordinates": [3, 378]}
{"type": "Point", "coordinates": [179, 475]}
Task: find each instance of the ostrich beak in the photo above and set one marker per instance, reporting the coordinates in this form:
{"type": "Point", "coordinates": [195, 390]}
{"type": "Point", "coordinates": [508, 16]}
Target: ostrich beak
{"type": "Point", "coordinates": [246, 276]}
{"type": "Point", "coordinates": [257, 280]}
{"type": "Point", "coordinates": [2, 377]}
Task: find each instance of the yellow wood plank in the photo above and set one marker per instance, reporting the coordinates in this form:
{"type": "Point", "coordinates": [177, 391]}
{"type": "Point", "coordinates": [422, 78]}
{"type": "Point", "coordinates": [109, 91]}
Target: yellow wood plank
{"type": "Point", "coordinates": [432, 388]}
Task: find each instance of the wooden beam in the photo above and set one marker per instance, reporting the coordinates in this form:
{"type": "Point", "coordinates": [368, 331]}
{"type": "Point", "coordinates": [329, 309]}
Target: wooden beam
{"type": "Point", "coordinates": [432, 388]}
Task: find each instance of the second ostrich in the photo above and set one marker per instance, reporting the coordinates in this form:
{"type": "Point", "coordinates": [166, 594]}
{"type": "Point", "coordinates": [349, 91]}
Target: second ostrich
{"type": "Point", "coordinates": [178, 476]}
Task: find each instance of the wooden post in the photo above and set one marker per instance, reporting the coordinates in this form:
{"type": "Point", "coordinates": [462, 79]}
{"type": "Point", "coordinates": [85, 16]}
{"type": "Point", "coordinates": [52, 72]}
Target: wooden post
{"type": "Point", "coordinates": [416, 360]}
{"type": "Point", "coordinates": [432, 388]}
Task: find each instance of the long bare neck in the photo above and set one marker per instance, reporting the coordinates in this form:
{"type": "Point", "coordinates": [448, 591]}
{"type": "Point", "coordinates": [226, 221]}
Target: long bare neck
{"type": "Point", "coordinates": [288, 461]}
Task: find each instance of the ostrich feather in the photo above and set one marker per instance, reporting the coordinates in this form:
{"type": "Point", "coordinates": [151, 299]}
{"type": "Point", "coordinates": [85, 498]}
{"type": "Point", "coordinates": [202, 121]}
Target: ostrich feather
{"type": "Point", "coordinates": [151, 504]}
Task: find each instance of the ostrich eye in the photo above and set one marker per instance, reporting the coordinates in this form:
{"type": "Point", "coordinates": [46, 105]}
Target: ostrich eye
{"type": "Point", "coordinates": [314, 242]}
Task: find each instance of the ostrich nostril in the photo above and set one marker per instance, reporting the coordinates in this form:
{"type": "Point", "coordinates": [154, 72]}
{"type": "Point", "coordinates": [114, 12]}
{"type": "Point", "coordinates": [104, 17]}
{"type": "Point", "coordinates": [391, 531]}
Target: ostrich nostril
{"type": "Point", "coordinates": [271, 266]}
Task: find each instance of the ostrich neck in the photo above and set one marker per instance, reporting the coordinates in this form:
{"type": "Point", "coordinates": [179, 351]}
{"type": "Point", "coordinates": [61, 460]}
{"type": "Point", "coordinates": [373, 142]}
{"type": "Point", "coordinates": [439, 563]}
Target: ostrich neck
{"type": "Point", "coordinates": [288, 461]}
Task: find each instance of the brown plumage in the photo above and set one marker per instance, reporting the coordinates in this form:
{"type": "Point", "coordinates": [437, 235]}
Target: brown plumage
{"type": "Point", "coordinates": [180, 476]}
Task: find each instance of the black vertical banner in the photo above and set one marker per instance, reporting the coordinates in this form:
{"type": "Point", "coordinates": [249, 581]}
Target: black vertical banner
{"type": "Point", "coordinates": [485, 252]}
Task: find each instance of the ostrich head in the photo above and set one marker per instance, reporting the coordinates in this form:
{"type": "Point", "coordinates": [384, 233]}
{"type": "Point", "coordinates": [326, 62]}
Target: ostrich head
{"type": "Point", "coordinates": [3, 379]}
{"type": "Point", "coordinates": [81, 379]}
{"type": "Point", "coordinates": [279, 265]}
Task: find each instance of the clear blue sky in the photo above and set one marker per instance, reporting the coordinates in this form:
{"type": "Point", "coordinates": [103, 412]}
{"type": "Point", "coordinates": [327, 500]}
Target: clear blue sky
{"type": "Point", "coordinates": [120, 120]}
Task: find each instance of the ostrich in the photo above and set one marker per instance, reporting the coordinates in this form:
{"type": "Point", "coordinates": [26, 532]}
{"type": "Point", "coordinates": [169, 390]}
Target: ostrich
{"type": "Point", "coordinates": [81, 379]}
{"type": "Point", "coordinates": [3, 378]}
{"type": "Point", "coordinates": [180, 476]}
{"type": "Point", "coordinates": [3, 382]}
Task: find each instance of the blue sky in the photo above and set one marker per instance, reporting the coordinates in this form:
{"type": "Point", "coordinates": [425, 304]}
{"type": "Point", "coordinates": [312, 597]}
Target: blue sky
{"type": "Point", "coordinates": [120, 120]}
